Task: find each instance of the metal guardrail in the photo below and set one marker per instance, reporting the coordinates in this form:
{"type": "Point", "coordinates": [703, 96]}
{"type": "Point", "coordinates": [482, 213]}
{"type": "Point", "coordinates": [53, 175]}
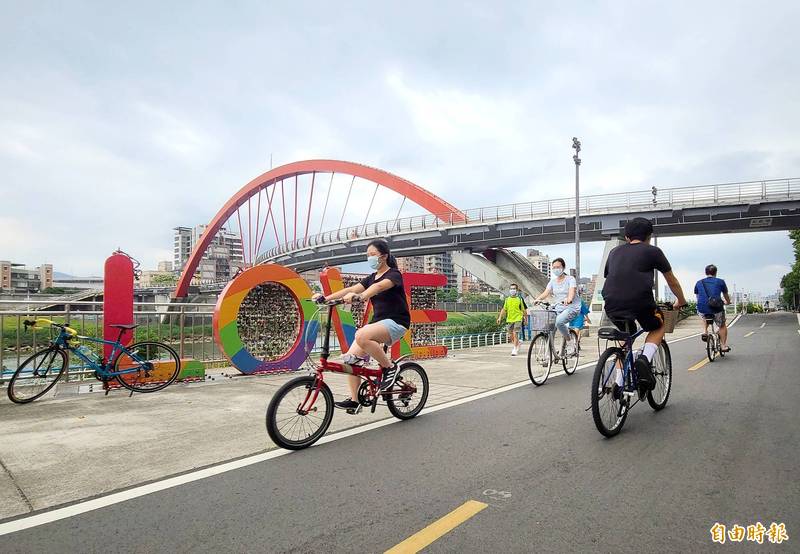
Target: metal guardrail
{"type": "Point", "coordinates": [672, 198]}
{"type": "Point", "coordinates": [185, 326]}
{"type": "Point", "coordinates": [468, 307]}
{"type": "Point", "coordinates": [459, 342]}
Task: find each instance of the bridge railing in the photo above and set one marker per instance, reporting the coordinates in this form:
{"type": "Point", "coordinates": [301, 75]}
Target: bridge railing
{"type": "Point", "coordinates": [476, 340]}
{"type": "Point", "coordinates": [185, 326]}
{"type": "Point", "coordinates": [668, 198]}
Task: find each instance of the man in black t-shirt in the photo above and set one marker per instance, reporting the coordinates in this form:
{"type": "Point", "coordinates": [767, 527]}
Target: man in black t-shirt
{"type": "Point", "coordinates": [628, 291]}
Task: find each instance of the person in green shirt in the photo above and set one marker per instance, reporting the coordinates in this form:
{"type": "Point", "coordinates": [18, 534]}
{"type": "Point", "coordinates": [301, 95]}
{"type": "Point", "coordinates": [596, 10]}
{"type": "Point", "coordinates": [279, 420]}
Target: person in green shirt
{"type": "Point", "coordinates": [513, 310]}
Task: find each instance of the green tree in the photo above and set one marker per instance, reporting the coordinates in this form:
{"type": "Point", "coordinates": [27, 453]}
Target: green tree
{"type": "Point", "coordinates": [164, 279]}
{"type": "Point", "coordinates": [477, 298]}
{"type": "Point", "coordinates": [448, 295]}
{"type": "Point", "coordinates": [790, 283]}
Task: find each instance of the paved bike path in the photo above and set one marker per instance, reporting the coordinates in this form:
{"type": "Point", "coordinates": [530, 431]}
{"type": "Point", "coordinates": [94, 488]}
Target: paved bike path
{"type": "Point", "coordinates": [91, 444]}
{"type": "Point", "coordinates": [725, 449]}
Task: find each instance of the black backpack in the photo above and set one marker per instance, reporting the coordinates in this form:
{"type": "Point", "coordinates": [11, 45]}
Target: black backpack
{"type": "Point", "coordinates": [714, 303]}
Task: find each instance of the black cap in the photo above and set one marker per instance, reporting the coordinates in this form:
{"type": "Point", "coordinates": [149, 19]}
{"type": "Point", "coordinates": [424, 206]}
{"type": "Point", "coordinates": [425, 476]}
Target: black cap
{"type": "Point", "coordinates": [638, 228]}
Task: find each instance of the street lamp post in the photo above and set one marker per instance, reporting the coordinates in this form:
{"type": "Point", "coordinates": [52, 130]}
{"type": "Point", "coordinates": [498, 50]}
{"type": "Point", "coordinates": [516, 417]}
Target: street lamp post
{"type": "Point", "coordinates": [576, 144]}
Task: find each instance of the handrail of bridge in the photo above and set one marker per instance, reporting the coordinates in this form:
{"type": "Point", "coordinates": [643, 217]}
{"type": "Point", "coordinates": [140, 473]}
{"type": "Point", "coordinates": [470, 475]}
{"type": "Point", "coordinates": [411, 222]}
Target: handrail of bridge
{"type": "Point", "coordinates": [667, 198]}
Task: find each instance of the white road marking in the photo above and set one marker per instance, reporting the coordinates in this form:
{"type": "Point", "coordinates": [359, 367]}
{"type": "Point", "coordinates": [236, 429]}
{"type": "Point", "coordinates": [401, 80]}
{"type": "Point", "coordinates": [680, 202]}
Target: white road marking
{"type": "Point", "coordinates": [143, 490]}
{"type": "Point", "coordinates": [762, 325]}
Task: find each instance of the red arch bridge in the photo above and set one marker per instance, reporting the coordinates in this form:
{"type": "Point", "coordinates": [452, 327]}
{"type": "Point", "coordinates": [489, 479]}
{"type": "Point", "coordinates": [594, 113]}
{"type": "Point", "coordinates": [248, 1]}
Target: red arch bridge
{"type": "Point", "coordinates": [308, 214]}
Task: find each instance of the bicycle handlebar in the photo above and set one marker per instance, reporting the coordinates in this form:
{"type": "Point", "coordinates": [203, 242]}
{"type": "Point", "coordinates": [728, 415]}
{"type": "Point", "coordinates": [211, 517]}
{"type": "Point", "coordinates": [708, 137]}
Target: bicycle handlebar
{"type": "Point", "coordinates": [42, 321]}
{"type": "Point", "coordinates": [321, 300]}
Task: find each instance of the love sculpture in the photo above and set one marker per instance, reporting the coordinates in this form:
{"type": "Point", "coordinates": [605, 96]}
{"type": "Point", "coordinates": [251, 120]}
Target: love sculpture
{"type": "Point", "coordinates": [264, 320]}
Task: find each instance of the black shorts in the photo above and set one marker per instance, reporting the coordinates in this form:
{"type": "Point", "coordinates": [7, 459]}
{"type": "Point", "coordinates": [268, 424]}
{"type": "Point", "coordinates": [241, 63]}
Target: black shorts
{"type": "Point", "coordinates": [649, 319]}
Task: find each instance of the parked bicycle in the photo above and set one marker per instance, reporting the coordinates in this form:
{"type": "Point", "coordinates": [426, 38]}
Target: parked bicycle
{"type": "Point", "coordinates": [302, 410]}
{"type": "Point", "coordinates": [712, 340]}
{"type": "Point", "coordinates": [542, 353]}
{"type": "Point", "coordinates": [146, 366]}
{"type": "Point", "coordinates": [610, 402]}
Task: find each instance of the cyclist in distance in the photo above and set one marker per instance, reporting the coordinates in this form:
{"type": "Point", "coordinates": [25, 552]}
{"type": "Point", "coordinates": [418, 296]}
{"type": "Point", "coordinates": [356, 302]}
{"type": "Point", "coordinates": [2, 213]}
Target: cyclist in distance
{"type": "Point", "coordinates": [391, 317]}
{"type": "Point", "coordinates": [711, 306]}
{"type": "Point", "coordinates": [628, 292]}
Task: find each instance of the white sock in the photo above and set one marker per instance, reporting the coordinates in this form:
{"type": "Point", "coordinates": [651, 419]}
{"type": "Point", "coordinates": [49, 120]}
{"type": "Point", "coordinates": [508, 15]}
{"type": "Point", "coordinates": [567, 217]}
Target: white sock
{"type": "Point", "coordinates": [618, 376]}
{"type": "Point", "coordinates": [649, 350]}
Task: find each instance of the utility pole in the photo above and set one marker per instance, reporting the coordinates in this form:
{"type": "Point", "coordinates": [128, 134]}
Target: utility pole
{"type": "Point", "coordinates": [655, 277]}
{"type": "Point", "coordinates": [576, 144]}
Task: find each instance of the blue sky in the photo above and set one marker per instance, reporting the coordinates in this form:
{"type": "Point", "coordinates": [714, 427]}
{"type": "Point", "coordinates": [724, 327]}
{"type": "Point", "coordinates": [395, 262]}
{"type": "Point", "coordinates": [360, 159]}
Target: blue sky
{"type": "Point", "coordinates": [119, 121]}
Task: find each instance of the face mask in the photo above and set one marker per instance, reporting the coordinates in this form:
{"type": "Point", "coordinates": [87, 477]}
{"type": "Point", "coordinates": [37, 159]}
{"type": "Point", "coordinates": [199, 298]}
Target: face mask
{"type": "Point", "coordinates": [373, 261]}
{"type": "Point", "coordinates": [513, 292]}
{"type": "Point", "coordinates": [557, 271]}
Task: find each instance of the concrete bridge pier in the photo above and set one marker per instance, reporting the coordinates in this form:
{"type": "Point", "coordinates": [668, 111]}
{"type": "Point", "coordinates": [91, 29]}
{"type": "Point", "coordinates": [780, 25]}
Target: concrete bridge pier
{"type": "Point", "coordinates": [597, 297]}
{"type": "Point", "coordinates": [499, 267]}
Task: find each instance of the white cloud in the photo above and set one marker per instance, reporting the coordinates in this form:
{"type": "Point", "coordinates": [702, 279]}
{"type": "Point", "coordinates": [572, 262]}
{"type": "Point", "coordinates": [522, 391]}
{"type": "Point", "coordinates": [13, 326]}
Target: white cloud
{"type": "Point", "coordinates": [118, 135]}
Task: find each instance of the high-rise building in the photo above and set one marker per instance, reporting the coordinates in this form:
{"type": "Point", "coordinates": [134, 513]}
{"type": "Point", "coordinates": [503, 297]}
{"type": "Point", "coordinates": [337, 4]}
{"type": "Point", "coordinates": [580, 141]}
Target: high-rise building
{"type": "Point", "coordinates": [411, 264]}
{"type": "Point", "coordinates": [586, 288]}
{"type": "Point", "coordinates": [165, 266]}
{"type": "Point", "coordinates": [221, 260]}
{"type": "Point", "coordinates": [17, 278]}
{"type": "Point", "coordinates": [540, 261]}
{"type": "Point", "coordinates": [442, 263]}
{"type": "Point", "coordinates": [183, 247]}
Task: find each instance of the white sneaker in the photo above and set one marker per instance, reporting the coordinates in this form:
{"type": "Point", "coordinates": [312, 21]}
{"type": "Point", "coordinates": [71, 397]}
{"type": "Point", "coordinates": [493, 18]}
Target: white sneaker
{"type": "Point", "coordinates": [514, 351]}
{"type": "Point", "coordinates": [572, 348]}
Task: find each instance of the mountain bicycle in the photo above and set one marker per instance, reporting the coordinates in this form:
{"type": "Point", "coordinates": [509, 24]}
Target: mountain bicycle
{"type": "Point", "coordinates": [610, 402]}
{"type": "Point", "coordinates": [302, 409]}
{"type": "Point", "coordinates": [542, 353]}
{"type": "Point", "coordinates": [146, 366]}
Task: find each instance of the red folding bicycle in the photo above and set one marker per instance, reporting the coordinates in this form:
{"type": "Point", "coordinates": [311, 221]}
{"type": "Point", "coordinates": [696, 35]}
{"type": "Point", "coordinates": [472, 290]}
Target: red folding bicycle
{"type": "Point", "coordinates": [302, 409]}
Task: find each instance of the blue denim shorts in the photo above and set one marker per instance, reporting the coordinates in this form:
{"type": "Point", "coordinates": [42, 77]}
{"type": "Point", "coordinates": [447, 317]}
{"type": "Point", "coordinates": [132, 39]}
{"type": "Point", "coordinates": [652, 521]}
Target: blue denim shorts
{"type": "Point", "coordinates": [396, 331]}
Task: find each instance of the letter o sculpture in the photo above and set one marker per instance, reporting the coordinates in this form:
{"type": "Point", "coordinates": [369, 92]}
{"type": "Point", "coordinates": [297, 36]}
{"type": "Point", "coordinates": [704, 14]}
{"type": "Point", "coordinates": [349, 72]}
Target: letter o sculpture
{"type": "Point", "coordinates": [262, 320]}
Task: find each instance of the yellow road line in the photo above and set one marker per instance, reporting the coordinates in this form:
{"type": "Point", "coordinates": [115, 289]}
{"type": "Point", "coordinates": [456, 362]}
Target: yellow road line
{"type": "Point", "coordinates": [438, 528]}
{"type": "Point", "coordinates": [698, 365]}
{"type": "Point", "coordinates": [748, 334]}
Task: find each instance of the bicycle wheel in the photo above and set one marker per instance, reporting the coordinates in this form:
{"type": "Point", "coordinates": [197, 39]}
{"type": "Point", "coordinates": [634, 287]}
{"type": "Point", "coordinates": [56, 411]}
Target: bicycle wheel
{"type": "Point", "coordinates": [608, 411]}
{"type": "Point", "coordinates": [149, 366]}
{"type": "Point", "coordinates": [37, 375]}
{"type": "Point", "coordinates": [570, 363]}
{"type": "Point", "coordinates": [540, 359]}
{"type": "Point", "coordinates": [662, 372]}
{"type": "Point", "coordinates": [711, 350]}
{"type": "Point", "coordinates": [294, 424]}
{"type": "Point", "coordinates": [408, 405]}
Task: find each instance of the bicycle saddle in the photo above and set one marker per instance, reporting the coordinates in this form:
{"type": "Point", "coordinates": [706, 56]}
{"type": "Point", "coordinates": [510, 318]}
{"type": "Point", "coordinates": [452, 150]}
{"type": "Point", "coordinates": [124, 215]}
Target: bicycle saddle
{"type": "Point", "coordinates": [612, 333]}
{"type": "Point", "coordinates": [121, 326]}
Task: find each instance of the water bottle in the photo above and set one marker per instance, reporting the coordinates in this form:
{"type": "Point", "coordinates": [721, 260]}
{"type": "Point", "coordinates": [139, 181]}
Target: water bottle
{"type": "Point", "coordinates": [88, 353]}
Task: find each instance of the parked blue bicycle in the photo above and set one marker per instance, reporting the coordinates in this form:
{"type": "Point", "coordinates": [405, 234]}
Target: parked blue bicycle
{"type": "Point", "coordinates": [146, 366]}
{"type": "Point", "coordinates": [612, 402]}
